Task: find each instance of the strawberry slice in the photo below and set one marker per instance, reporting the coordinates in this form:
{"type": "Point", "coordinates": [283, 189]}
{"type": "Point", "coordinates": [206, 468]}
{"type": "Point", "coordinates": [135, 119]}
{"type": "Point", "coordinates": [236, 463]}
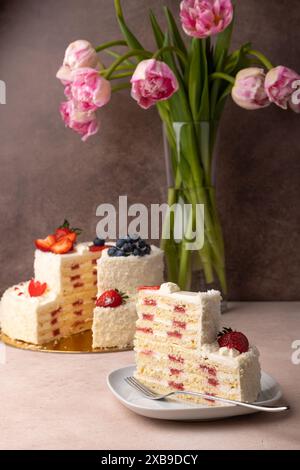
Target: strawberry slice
{"type": "Point", "coordinates": [46, 243]}
{"type": "Point", "coordinates": [149, 288]}
{"type": "Point", "coordinates": [95, 248]}
{"type": "Point", "coordinates": [64, 245]}
{"type": "Point", "coordinates": [61, 232]}
{"type": "Point", "coordinates": [36, 288]}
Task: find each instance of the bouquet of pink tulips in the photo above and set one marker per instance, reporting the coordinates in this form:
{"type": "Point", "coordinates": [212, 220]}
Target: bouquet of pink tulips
{"type": "Point", "coordinates": [188, 82]}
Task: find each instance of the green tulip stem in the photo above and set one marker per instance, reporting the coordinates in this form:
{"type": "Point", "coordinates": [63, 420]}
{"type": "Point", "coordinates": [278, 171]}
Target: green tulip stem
{"type": "Point", "coordinates": [222, 76]}
{"type": "Point", "coordinates": [262, 58]}
{"type": "Point", "coordinates": [107, 45]}
{"type": "Point", "coordinates": [120, 60]}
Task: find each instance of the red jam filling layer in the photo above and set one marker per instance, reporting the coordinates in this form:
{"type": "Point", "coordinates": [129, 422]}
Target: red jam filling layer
{"type": "Point", "coordinates": [178, 359]}
{"type": "Point", "coordinates": [175, 371]}
{"type": "Point", "coordinates": [78, 284]}
{"type": "Point", "coordinates": [150, 302]}
{"type": "Point", "coordinates": [179, 308]}
{"type": "Point", "coordinates": [210, 370]}
{"type": "Point", "coordinates": [174, 334]}
{"type": "Point", "coordinates": [176, 385]}
{"type": "Point", "coordinates": [179, 324]}
{"type": "Point", "coordinates": [148, 316]}
{"type": "Point", "coordinates": [213, 382]}
{"type": "Point", "coordinates": [145, 330]}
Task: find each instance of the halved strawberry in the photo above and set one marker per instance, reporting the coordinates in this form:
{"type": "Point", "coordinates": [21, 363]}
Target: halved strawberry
{"type": "Point", "coordinates": [72, 236]}
{"type": "Point", "coordinates": [46, 243]}
{"type": "Point", "coordinates": [233, 340]}
{"type": "Point", "coordinates": [36, 288]}
{"type": "Point", "coordinates": [64, 245]}
{"type": "Point", "coordinates": [62, 232]}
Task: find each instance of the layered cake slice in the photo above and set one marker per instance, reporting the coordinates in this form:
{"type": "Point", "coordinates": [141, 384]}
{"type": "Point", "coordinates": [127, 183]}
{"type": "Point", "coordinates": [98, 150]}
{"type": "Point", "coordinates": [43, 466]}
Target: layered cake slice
{"type": "Point", "coordinates": [124, 267]}
{"type": "Point", "coordinates": [59, 301]}
{"type": "Point", "coordinates": [178, 347]}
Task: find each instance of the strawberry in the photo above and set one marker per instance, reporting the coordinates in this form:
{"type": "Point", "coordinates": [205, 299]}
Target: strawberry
{"type": "Point", "coordinates": [233, 340]}
{"type": "Point", "coordinates": [36, 288]}
{"type": "Point", "coordinates": [61, 232]}
{"type": "Point", "coordinates": [64, 245]}
{"type": "Point", "coordinates": [46, 243]}
{"type": "Point", "coordinates": [94, 248]}
{"type": "Point", "coordinates": [111, 298]}
{"type": "Point", "coordinates": [149, 288]}
{"type": "Point", "coordinates": [65, 230]}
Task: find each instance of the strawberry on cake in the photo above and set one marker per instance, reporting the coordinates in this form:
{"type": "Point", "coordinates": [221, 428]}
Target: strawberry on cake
{"type": "Point", "coordinates": [59, 301]}
{"type": "Point", "coordinates": [179, 346]}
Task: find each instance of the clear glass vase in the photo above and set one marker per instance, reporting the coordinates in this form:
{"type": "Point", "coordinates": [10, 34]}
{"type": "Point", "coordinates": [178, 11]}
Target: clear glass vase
{"type": "Point", "coordinates": [193, 263]}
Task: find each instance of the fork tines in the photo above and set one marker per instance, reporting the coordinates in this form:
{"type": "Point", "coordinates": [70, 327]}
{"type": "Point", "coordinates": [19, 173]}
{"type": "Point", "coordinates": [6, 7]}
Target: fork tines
{"type": "Point", "coordinates": [139, 386]}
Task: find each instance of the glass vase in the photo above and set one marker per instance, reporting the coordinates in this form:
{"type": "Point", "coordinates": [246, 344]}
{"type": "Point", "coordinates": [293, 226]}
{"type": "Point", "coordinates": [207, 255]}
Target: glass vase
{"type": "Point", "coordinates": [195, 254]}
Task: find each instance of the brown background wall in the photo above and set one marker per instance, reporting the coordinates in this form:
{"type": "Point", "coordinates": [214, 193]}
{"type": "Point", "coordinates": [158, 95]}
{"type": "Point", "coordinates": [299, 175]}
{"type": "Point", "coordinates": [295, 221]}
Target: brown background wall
{"type": "Point", "coordinates": [46, 173]}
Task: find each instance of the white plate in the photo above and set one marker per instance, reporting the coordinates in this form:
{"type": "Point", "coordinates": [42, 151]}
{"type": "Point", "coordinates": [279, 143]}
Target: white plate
{"type": "Point", "coordinates": [176, 410]}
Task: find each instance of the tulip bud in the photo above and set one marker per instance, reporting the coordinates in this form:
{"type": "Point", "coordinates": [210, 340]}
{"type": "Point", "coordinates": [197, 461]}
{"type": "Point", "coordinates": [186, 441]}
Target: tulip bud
{"type": "Point", "coordinates": [248, 91]}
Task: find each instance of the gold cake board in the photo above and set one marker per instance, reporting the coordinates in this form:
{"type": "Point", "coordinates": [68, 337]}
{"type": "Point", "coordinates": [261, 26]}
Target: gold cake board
{"type": "Point", "coordinates": [80, 343]}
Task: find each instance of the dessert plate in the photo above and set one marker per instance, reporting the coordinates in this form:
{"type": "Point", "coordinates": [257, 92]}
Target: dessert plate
{"type": "Point", "coordinates": [178, 410]}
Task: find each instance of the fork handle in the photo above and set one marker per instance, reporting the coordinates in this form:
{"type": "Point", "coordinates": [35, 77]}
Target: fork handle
{"type": "Point", "coordinates": [253, 406]}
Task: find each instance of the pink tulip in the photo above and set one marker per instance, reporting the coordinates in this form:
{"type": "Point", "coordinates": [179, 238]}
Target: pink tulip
{"type": "Point", "coordinates": [203, 18]}
{"type": "Point", "coordinates": [88, 89]}
{"type": "Point", "coordinates": [279, 86]}
{"type": "Point", "coordinates": [248, 91]}
{"type": "Point", "coordinates": [84, 123]}
{"type": "Point", "coordinates": [152, 81]}
{"type": "Point", "coordinates": [78, 54]}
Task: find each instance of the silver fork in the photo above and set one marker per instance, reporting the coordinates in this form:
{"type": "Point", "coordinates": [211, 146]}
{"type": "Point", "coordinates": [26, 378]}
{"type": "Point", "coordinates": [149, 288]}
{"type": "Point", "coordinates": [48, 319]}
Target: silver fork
{"type": "Point", "coordinates": [133, 382]}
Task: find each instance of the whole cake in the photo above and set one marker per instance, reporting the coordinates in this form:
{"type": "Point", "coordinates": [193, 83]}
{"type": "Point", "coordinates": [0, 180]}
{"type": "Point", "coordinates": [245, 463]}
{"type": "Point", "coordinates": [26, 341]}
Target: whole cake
{"type": "Point", "coordinates": [179, 346]}
{"type": "Point", "coordinates": [59, 301]}
{"type": "Point", "coordinates": [121, 269]}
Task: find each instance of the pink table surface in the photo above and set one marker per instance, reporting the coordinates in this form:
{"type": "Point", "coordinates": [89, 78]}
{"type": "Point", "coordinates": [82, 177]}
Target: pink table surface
{"type": "Point", "coordinates": [52, 401]}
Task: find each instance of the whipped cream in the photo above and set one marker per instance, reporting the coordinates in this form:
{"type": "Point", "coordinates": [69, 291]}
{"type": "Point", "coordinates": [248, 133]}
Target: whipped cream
{"type": "Point", "coordinates": [169, 288]}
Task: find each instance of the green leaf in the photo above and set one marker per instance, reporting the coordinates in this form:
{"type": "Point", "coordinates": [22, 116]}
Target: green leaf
{"type": "Point", "coordinates": [129, 37]}
{"type": "Point", "coordinates": [157, 31]}
{"type": "Point", "coordinates": [223, 42]}
{"type": "Point", "coordinates": [175, 34]}
{"type": "Point", "coordinates": [117, 56]}
{"type": "Point", "coordinates": [237, 60]}
{"type": "Point", "coordinates": [196, 76]}
{"type": "Point", "coordinates": [204, 111]}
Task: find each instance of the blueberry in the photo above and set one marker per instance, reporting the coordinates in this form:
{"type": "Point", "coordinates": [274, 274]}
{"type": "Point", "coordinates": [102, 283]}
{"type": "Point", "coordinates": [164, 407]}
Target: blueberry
{"type": "Point", "coordinates": [136, 252]}
{"type": "Point", "coordinates": [119, 253]}
{"type": "Point", "coordinates": [127, 248]}
{"type": "Point", "coordinates": [112, 251]}
{"type": "Point", "coordinates": [99, 241]}
{"type": "Point", "coordinates": [141, 243]}
{"type": "Point", "coordinates": [120, 242]}
{"type": "Point", "coordinates": [148, 250]}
